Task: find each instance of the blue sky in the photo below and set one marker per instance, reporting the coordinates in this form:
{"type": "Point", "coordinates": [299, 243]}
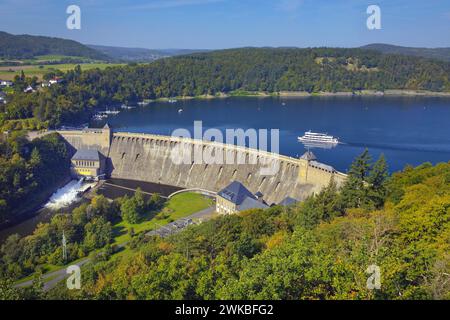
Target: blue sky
{"type": "Point", "coordinates": [215, 24]}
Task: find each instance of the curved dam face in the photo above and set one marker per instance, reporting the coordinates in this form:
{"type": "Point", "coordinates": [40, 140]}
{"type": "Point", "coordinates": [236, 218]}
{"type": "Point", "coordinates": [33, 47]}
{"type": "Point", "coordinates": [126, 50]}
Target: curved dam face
{"type": "Point", "coordinates": [155, 158]}
{"type": "Point", "coordinates": [172, 161]}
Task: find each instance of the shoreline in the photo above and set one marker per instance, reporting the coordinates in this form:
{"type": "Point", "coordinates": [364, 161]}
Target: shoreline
{"type": "Point", "coordinates": [304, 94]}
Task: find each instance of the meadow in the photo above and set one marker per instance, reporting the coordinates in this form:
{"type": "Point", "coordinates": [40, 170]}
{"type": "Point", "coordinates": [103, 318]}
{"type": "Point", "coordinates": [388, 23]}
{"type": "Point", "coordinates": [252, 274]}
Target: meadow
{"type": "Point", "coordinates": [38, 70]}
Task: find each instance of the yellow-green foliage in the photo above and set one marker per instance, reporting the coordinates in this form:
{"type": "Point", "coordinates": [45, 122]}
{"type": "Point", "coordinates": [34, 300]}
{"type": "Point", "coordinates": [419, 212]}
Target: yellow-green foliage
{"type": "Point", "coordinates": [267, 255]}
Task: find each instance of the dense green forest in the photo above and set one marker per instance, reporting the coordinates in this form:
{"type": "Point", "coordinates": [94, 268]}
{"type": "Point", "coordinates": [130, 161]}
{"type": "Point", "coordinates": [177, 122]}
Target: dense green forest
{"type": "Point", "coordinates": [29, 168]}
{"type": "Point", "coordinates": [317, 249]}
{"type": "Point", "coordinates": [250, 69]}
{"type": "Point", "coordinates": [27, 47]}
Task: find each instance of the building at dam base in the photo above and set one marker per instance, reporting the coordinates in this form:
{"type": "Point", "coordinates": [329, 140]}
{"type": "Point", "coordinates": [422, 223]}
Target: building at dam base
{"type": "Point", "coordinates": [89, 163]}
{"type": "Point", "coordinates": [149, 157]}
{"type": "Point", "coordinates": [236, 197]}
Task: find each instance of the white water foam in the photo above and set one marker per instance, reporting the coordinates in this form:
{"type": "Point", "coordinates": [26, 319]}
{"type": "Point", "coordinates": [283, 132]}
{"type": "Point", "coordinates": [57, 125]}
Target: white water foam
{"type": "Point", "coordinates": [66, 195]}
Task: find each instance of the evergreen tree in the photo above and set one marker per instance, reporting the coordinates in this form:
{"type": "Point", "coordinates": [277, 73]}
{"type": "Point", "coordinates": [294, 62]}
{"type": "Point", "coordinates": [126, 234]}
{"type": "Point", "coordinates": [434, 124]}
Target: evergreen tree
{"type": "Point", "coordinates": [327, 202]}
{"type": "Point", "coordinates": [354, 193]}
{"type": "Point", "coordinates": [377, 182]}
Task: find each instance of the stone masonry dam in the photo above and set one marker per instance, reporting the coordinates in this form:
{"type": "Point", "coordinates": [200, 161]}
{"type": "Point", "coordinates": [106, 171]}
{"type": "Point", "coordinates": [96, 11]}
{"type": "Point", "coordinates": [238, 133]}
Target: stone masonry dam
{"type": "Point", "coordinates": [149, 157]}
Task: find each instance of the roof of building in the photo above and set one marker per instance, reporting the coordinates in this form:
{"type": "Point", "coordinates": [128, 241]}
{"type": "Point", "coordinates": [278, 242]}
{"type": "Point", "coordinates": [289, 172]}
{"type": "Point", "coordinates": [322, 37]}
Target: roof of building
{"type": "Point", "coordinates": [87, 154]}
{"type": "Point", "coordinates": [250, 203]}
{"type": "Point", "coordinates": [106, 126]}
{"type": "Point", "coordinates": [236, 192]}
{"type": "Point", "coordinates": [308, 155]}
{"type": "Point", "coordinates": [288, 201]}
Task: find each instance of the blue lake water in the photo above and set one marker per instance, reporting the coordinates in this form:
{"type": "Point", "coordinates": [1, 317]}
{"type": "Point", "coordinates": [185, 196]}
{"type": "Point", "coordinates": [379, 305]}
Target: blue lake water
{"type": "Point", "coordinates": [408, 130]}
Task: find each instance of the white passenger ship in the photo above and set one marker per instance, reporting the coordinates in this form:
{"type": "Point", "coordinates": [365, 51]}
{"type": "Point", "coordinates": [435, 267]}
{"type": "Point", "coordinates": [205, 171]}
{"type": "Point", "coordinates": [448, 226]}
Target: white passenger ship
{"type": "Point", "coordinates": [318, 138]}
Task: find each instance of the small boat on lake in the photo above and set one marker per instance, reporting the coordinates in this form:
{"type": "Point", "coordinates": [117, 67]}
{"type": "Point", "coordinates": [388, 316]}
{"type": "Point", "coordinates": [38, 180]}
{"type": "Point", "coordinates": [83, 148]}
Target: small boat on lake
{"type": "Point", "coordinates": [124, 106]}
{"type": "Point", "coordinates": [109, 112]}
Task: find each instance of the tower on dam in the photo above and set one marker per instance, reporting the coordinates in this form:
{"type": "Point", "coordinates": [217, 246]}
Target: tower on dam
{"type": "Point", "coordinates": [148, 157]}
{"type": "Point", "coordinates": [89, 138]}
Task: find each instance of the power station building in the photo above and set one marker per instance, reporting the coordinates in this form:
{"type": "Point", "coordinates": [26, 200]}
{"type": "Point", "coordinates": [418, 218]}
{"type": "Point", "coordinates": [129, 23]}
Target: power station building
{"type": "Point", "coordinates": [236, 197]}
{"type": "Point", "coordinates": [88, 163]}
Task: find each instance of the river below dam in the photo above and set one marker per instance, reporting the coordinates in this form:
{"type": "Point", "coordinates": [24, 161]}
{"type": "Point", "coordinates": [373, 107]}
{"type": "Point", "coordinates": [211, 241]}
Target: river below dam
{"type": "Point", "coordinates": [65, 199]}
{"type": "Point", "coordinates": [408, 130]}
{"type": "Point", "coordinates": [62, 200]}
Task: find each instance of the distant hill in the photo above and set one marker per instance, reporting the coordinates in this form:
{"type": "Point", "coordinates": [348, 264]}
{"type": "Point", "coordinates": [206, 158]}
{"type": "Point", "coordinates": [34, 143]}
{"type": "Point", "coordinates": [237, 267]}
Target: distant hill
{"type": "Point", "coordinates": [28, 47]}
{"type": "Point", "coordinates": [432, 53]}
{"type": "Point", "coordinates": [140, 54]}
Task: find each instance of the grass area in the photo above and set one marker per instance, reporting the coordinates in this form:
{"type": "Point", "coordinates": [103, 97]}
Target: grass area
{"type": "Point", "coordinates": [9, 72]}
{"type": "Point", "coordinates": [57, 57]}
{"type": "Point", "coordinates": [179, 206]}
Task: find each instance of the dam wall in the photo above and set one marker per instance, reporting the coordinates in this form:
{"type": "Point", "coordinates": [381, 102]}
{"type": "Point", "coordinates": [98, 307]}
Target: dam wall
{"type": "Point", "coordinates": [150, 158]}
{"type": "Point", "coordinates": [156, 158]}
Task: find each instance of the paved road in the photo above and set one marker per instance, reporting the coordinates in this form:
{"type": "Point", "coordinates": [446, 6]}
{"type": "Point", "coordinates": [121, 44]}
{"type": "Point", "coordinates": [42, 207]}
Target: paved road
{"type": "Point", "coordinates": [51, 279]}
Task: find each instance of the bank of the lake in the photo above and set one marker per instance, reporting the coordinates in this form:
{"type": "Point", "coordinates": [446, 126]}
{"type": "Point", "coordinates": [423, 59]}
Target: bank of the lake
{"type": "Point", "coordinates": [296, 94]}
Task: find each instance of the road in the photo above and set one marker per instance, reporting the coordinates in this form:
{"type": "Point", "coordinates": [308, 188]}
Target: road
{"type": "Point", "coordinates": [51, 279]}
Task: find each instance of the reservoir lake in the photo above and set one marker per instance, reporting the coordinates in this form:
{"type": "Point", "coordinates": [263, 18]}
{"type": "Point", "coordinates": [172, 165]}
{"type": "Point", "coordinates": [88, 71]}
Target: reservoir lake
{"type": "Point", "coordinates": [408, 130]}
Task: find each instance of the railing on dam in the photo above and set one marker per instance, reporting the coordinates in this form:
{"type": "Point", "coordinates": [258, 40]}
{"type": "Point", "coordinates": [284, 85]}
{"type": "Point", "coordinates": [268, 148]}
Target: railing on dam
{"type": "Point", "coordinates": [261, 153]}
{"type": "Point", "coordinates": [204, 192]}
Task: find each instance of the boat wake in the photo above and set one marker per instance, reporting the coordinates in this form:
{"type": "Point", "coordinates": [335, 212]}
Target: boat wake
{"type": "Point", "coordinates": [400, 147]}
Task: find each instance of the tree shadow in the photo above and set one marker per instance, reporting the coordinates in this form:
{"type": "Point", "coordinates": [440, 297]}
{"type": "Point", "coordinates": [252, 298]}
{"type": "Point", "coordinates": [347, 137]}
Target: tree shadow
{"type": "Point", "coordinates": [118, 231]}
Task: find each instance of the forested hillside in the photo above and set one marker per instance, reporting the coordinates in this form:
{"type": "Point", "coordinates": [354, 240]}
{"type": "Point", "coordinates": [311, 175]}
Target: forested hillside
{"type": "Point", "coordinates": [29, 171]}
{"type": "Point", "coordinates": [27, 47]}
{"type": "Point", "coordinates": [431, 53]}
{"type": "Point", "coordinates": [319, 249]}
{"type": "Point", "coordinates": [139, 54]}
{"type": "Point", "coordinates": [273, 70]}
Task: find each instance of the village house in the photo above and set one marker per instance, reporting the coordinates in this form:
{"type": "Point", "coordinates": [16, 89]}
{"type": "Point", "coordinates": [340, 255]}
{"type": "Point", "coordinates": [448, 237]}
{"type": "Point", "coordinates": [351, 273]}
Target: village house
{"type": "Point", "coordinates": [51, 82]}
{"type": "Point", "coordinates": [5, 83]}
{"type": "Point", "coordinates": [29, 89]}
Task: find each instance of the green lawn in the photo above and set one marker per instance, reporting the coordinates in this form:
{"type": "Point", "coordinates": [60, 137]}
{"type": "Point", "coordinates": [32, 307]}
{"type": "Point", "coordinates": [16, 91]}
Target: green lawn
{"type": "Point", "coordinates": [57, 57]}
{"type": "Point", "coordinates": [8, 73]}
{"type": "Point", "coordinates": [179, 206]}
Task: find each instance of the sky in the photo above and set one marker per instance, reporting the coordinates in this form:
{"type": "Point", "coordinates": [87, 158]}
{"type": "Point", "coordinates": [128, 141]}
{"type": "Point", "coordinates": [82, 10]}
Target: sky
{"type": "Point", "coordinates": [218, 24]}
